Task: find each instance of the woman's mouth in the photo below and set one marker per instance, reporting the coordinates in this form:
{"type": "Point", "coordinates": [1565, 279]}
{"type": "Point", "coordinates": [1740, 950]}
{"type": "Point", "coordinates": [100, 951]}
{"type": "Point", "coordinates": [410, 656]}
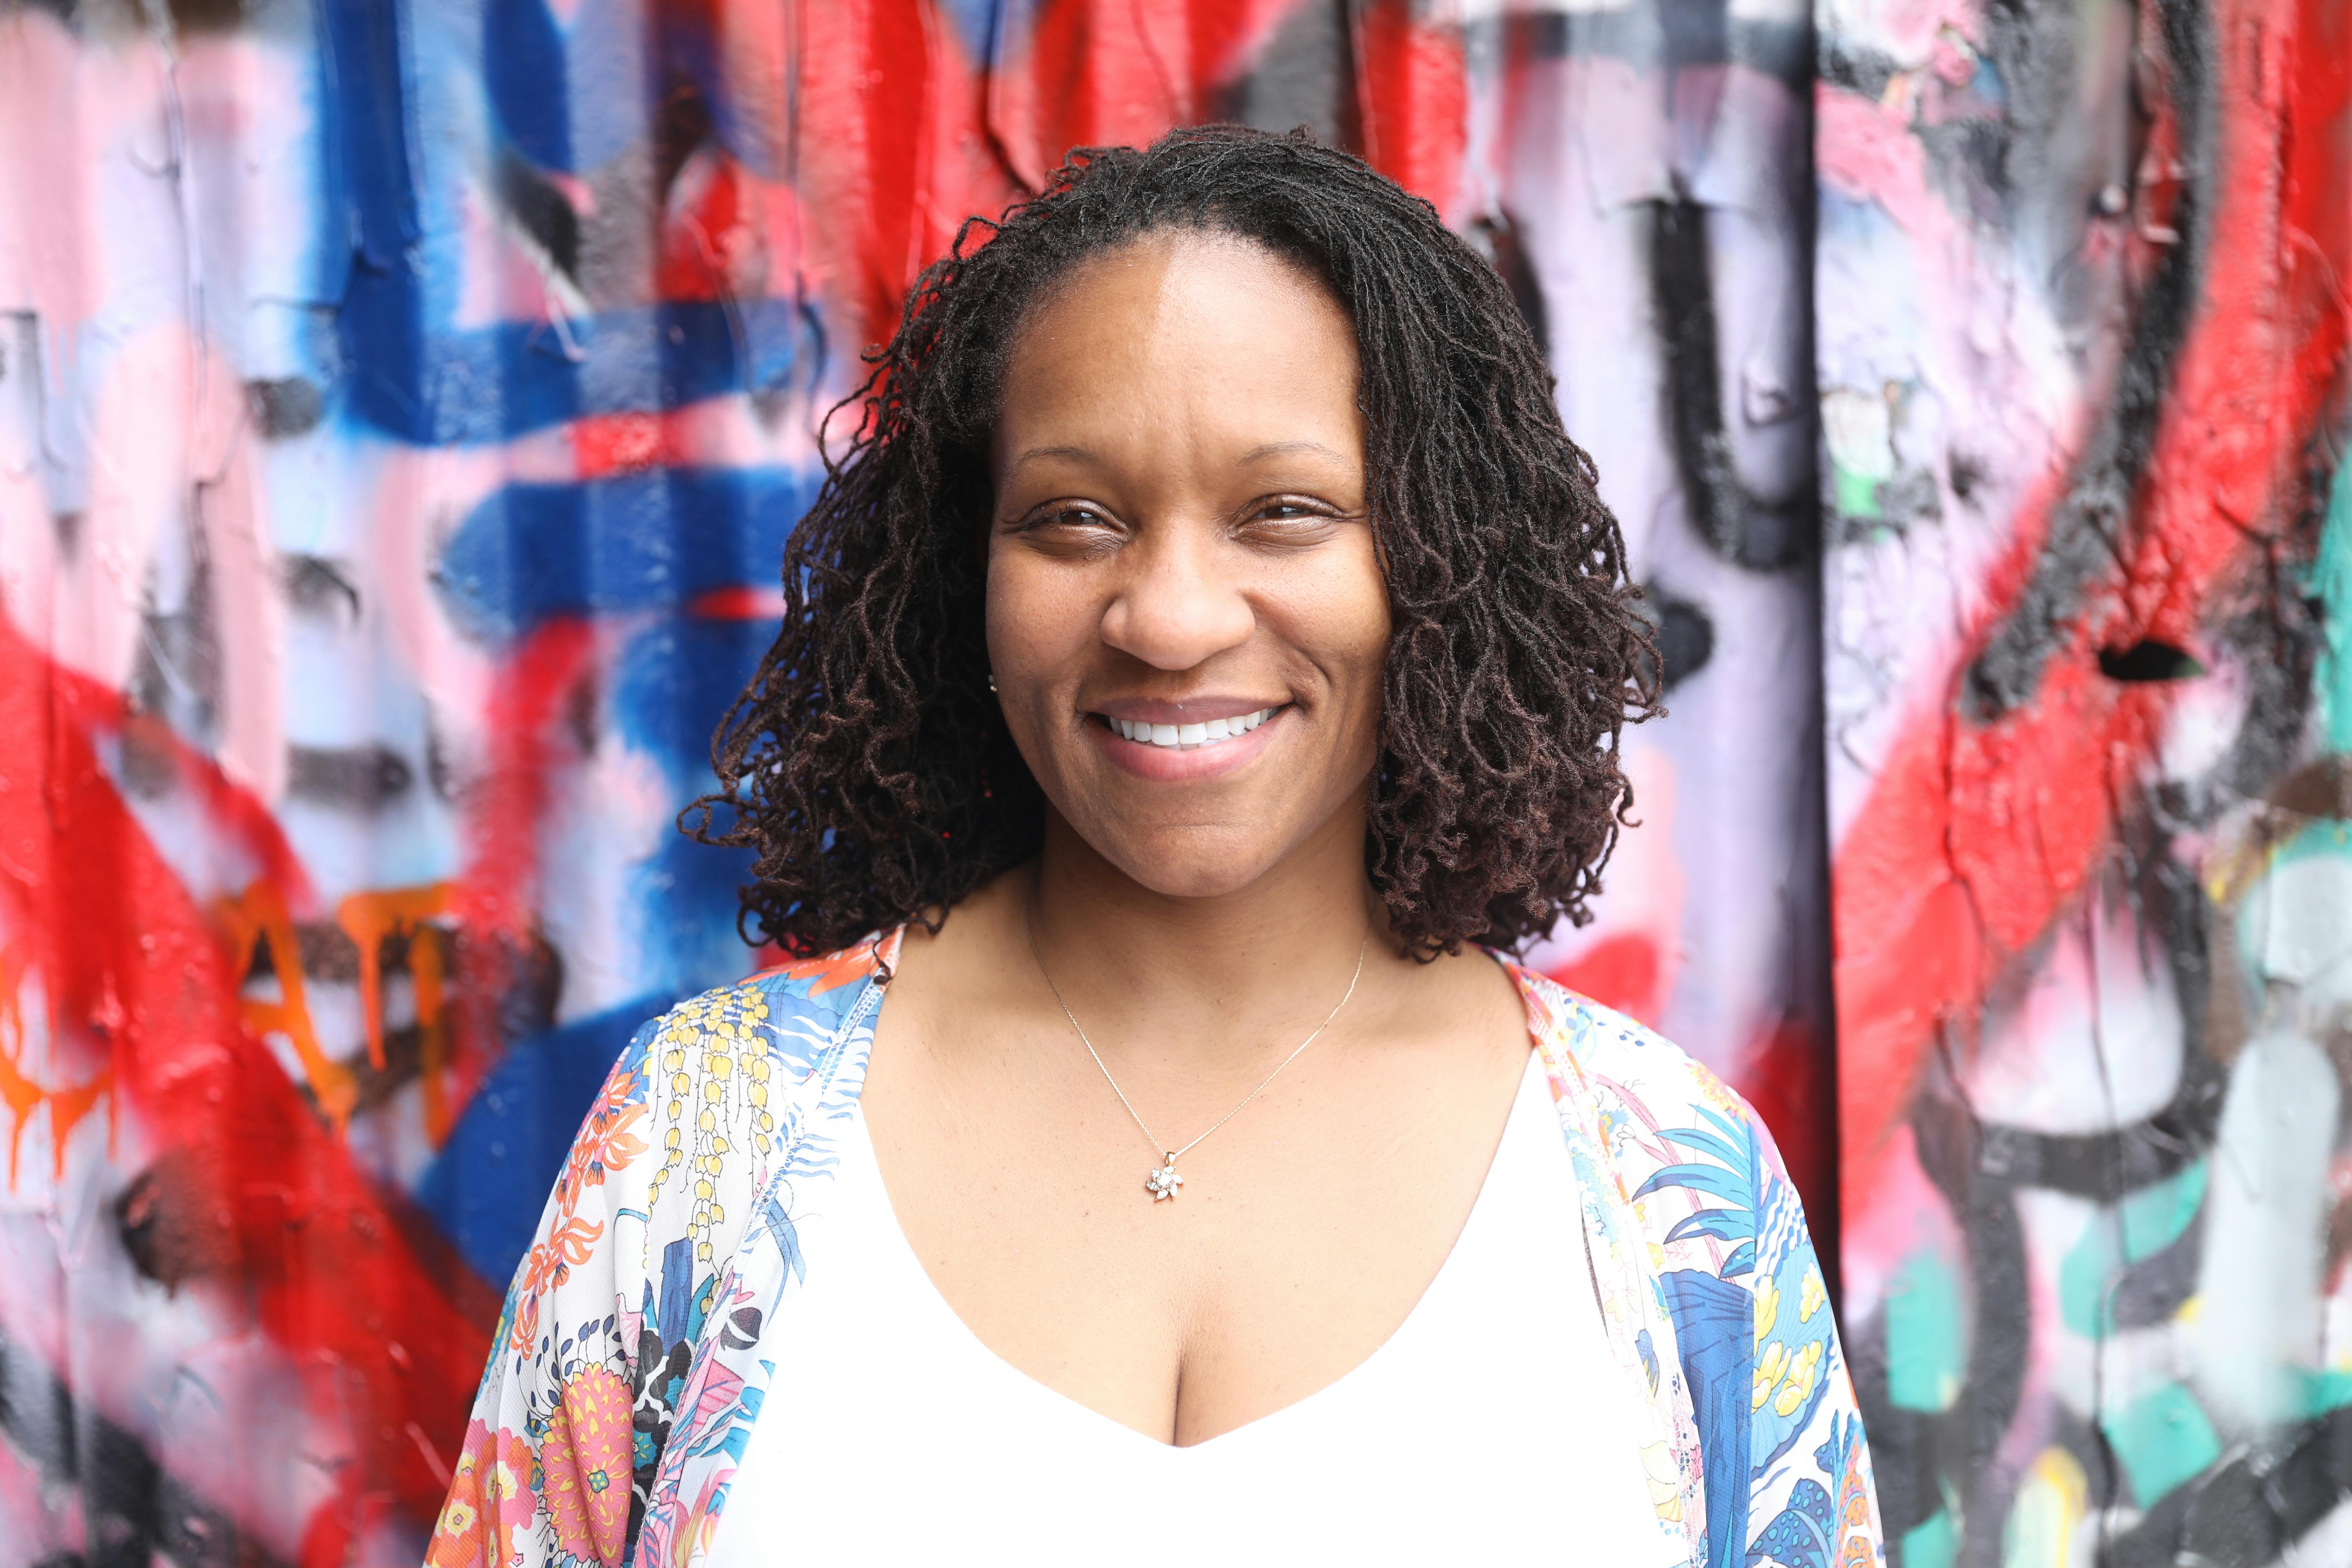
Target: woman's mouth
{"type": "Point", "coordinates": [1188, 737]}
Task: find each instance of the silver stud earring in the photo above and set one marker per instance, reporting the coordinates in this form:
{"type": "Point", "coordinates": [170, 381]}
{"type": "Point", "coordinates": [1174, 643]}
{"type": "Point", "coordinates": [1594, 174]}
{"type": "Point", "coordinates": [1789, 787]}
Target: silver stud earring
{"type": "Point", "coordinates": [991, 683]}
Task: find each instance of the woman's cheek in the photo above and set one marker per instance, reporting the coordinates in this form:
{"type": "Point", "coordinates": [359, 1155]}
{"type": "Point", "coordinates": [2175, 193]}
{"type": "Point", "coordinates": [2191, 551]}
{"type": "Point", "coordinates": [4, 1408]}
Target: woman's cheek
{"type": "Point", "coordinates": [1038, 638]}
{"type": "Point", "coordinates": [1038, 609]}
{"type": "Point", "coordinates": [1343, 622]}
{"type": "Point", "coordinates": [1013, 617]}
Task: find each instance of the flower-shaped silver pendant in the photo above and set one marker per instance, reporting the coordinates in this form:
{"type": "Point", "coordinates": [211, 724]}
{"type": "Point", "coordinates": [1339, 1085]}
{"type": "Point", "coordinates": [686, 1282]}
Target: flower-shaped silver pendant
{"type": "Point", "coordinates": [1162, 1183]}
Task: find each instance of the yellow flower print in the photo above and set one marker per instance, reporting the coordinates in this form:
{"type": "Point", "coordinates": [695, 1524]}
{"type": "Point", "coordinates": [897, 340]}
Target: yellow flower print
{"type": "Point", "coordinates": [1811, 1296]}
{"type": "Point", "coordinates": [1768, 1307]}
{"type": "Point", "coordinates": [504, 1485]}
{"type": "Point", "coordinates": [1665, 1481]}
{"type": "Point", "coordinates": [1799, 1386]}
{"type": "Point", "coordinates": [710, 1102]}
{"type": "Point", "coordinates": [1768, 1372]}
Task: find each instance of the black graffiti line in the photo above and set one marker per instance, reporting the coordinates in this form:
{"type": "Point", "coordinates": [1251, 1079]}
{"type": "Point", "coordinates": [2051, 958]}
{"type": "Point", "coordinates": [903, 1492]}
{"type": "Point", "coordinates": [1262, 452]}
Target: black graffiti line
{"type": "Point", "coordinates": [2088, 529]}
{"type": "Point", "coordinates": [1736, 525]}
{"type": "Point", "coordinates": [133, 1509]}
{"type": "Point", "coordinates": [1979, 1167]}
{"type": "Point", "coordinates": [2248, 1509]}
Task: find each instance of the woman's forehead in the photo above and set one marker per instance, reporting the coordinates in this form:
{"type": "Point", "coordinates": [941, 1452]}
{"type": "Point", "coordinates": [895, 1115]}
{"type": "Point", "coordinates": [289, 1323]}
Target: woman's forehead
{"type": "Point", "coordinates": [1195, 332]}
{"type": "Point", "coordinates": [1189, 281]}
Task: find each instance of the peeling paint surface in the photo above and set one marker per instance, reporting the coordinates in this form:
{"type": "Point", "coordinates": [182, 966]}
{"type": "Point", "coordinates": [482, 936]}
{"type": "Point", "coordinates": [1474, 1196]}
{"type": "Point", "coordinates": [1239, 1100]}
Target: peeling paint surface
{"type": "Point", "coordinates": [2081, 337]}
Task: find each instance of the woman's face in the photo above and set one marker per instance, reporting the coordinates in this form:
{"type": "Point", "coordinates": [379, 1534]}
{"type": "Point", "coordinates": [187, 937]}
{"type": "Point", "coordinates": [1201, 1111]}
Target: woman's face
{"type": "Point", "coordinates": [1186, 619]}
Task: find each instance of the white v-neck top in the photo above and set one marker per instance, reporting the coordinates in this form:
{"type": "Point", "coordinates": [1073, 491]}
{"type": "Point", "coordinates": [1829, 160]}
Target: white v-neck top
{"type": "Point", "coordinates": [1490, 1428]}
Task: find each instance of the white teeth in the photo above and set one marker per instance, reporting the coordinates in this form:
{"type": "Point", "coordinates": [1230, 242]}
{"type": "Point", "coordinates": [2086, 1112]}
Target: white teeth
{"type": "Point", "coordinates": [1190, 737]}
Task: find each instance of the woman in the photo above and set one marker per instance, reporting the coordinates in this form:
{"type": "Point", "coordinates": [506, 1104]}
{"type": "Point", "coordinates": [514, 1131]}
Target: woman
{"type": "Point", "coordinates": [1209, 639]}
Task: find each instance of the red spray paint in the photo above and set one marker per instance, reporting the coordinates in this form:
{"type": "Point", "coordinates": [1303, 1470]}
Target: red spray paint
{"type": "Point", "coordinates": [1976, 838]}
{"type": "Point", "coordinates": [264, 1197]}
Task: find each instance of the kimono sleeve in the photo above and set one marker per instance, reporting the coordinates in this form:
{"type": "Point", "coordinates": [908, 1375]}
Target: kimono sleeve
{"type": "Point", "coordinates": [550, 1456]}
{"type": "Point", "coordinates": [1809, 1499]}
{"type": "Point", "coordinates": [1785, 1471]}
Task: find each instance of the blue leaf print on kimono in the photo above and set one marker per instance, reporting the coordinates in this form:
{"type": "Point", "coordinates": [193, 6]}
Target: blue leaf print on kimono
{"type": "Point", "coordinates": [1796, 1340]}
{"type": "Point", "coordinates": [1716, 1316]}
{"type": "Point", "coordinates": [1715, 1321]}
{"type": "Point", "coordinates": [777, 1225]}
{"type": "Point", "coordinates": [1734, 1181]}
{"type": "Point", "coordinates": [1802, 1534]}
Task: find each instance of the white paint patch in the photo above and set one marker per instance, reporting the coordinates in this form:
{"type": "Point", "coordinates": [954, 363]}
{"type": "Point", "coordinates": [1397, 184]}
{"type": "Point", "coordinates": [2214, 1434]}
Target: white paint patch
{"type": "Point", "coordinates": [607, 817]}
{"type": "Point", "coordinates": [1858, 428]}
{"type": "Point", "coordinates": [2266, 1221]}
{"type": "Point", "coordinates": [2092, 1040]}
{"type": "Point", "coordinates": [2204, 721]}
{"type": "Point", "coordinates": [2296, 928]}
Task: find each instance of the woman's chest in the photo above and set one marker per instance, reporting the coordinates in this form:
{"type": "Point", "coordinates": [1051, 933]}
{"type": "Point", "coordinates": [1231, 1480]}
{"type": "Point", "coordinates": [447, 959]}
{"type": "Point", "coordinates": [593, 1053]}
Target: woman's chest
{"type": "Point", "coordinates": [891, 1433]}
{"type": "Point", "coordinates": [1303, 1233]}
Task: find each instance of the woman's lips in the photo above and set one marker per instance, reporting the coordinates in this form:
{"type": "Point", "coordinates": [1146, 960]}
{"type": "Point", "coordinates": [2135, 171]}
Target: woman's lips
{"type": "Point", "coordinates": [1187, 758]}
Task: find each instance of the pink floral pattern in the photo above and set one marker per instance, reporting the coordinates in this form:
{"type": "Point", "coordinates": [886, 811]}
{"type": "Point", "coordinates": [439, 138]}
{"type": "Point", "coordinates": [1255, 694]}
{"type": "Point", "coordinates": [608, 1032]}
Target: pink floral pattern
{"type": "Point", "coordinates": [492, 1504]}
{"type": "Point", "coordinates": [585, 1459]}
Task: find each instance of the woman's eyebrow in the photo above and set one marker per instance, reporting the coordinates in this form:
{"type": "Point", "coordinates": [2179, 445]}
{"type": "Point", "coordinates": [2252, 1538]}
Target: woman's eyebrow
{"type": "Point", "coordinates": [1286, 448]}
{"type": "Point", "coordinates": [1080, 453]}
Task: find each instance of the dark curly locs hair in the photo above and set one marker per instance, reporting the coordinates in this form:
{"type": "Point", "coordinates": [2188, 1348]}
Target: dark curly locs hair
{"type": "Point", "coordinates": [867, 764]}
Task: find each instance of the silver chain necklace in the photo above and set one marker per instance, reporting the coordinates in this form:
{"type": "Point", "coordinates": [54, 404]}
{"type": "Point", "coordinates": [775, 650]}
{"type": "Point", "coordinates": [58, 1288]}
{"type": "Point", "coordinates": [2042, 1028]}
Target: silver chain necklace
{"type": "Point", "coordinates": [1162, 1183]}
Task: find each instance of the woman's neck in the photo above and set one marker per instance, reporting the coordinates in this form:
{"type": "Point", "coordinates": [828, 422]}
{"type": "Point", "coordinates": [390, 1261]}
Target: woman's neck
{"type": "Point", "coordinates": [1220, 972]}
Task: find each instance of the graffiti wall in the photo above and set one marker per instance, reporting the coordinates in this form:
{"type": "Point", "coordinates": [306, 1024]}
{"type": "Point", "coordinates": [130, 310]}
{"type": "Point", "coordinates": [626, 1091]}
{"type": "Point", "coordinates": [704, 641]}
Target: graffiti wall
{"type": "Point", "coordinates": [2081, 277]}
{"type": "Point", "coordinates": [402, 408]}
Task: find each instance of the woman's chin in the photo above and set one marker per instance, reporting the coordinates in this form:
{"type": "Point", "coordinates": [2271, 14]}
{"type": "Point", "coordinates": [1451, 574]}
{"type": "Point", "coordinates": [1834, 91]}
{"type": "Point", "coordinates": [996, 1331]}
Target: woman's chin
{"type": "Point", "coordinates": [1172, 878]}
{"type": "Point", "coordinates": [1197, 862]}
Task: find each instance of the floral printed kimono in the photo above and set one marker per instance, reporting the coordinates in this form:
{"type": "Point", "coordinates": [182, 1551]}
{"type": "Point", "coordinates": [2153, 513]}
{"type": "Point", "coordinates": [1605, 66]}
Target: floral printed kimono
{"type": "Point", "coordinates": [634, 1350]}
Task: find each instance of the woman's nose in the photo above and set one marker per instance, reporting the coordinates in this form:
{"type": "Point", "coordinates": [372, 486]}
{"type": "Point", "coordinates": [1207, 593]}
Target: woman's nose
{"type": "Point", "coordinates": [1176, 608]}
